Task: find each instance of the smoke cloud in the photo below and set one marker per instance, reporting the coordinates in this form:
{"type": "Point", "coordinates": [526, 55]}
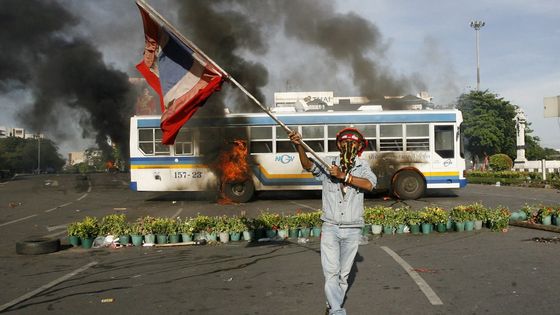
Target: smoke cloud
{"type": "Point", "coordinates": [64, 73]}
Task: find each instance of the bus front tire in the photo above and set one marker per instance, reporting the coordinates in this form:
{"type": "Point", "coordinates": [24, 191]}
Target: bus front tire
{"type": "Point", "coordinates": [239, 192]}
{"type": "Point", "coordinates": [408, 185]}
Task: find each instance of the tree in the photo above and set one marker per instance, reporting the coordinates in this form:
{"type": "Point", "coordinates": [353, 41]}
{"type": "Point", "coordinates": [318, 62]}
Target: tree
{"type": "Point", "coordinates": [488, 124]}
{"type": "Point", "coordinates": [20, 155]}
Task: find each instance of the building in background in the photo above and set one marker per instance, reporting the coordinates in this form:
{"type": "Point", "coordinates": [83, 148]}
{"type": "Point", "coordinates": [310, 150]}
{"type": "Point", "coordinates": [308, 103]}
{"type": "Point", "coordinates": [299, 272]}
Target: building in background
{"type": "Point", "coordinates": [326, 101]}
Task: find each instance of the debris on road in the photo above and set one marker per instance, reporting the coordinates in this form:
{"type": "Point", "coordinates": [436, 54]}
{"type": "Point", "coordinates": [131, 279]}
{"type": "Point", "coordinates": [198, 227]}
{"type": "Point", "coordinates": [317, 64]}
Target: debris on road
{"type": "Point", "coordinates": [109, 300]}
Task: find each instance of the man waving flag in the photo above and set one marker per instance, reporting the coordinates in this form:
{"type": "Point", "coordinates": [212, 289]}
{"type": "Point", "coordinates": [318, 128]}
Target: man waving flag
{"type": "Point", "coordinates": [181, 76]}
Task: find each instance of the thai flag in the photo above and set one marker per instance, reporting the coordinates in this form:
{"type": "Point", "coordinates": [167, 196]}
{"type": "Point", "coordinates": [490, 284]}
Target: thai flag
{"type": "Point", "coordinates": [182, 77]}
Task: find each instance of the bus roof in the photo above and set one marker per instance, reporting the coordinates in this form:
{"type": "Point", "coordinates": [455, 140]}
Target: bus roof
{"type": "Point", "coordinates": [316, 118]}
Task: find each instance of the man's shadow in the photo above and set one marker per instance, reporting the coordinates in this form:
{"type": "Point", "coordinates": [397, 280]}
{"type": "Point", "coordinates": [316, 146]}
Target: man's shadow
{"type": "Point", "coordinates": [352, 276]}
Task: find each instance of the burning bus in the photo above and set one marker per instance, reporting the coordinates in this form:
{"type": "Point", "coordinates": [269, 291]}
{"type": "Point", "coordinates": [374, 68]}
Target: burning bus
{"type": "Point", "coordinates": [410, 151]}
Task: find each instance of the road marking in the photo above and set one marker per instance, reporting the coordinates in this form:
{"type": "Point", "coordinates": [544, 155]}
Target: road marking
{"type": "Point", "coordinates": [423, 285]}
{"type": "Point", "coordinates": [55, 234]}
{"type": "Point", "coordinates": [62, 205]}
{"type": "Point", "coordinates": [21, 219]}
{"type": "Point", "coordinates": [303, 205]}
{"type": "Point", "coordinates": [45, 287]}
{"type": "Point", "coordinates": [89, 188]}
{"type": "Point", "coordinates": [82, 197]}
{"type": "Point", "coordinates": [56, 227]}
{"type": "Point", "coordinates": [177, 213]}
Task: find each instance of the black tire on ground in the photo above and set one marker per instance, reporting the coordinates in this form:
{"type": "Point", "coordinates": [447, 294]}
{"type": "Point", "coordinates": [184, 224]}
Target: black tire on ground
{"type": "Point", "coordinates": [239, 192]}
{"type": "Point", "coordinates": [408, 185]}
{"type": "Point", "coordinates": [38, 246]}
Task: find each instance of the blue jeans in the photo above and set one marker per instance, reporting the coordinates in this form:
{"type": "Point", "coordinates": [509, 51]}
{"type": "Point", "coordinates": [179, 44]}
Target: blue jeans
{"type": "Point", "coordinates": [338, 249]}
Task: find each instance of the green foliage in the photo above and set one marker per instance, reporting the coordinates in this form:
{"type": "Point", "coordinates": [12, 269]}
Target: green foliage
{"type": "Point", "coordinates": [88, 228]}
{"type": "Point", "coordinates": [73, 228]}
{"type": "Point", "coordinates": [488, 124]}
{"type": "Point", "coordinates": [269, 220]}
{"type": "Point", "coordinates": [186, 226]}
{"type": "Point", "coordinates": [222, 224]}
{"type": "Point", "coordinates": [375, 215]}
{"type": "Point", "coordinates": [501, 162]}
{"type": "Point", "coordinates": [236, 225]}
{"type": "Point", "coordinates": [498, 218]}
{"type": "Point", "coordinates": [113, 224]}
{"type": "Point", "coordinates": [144, 225]}
{"type": "Point", "coordinates": [20, 155]}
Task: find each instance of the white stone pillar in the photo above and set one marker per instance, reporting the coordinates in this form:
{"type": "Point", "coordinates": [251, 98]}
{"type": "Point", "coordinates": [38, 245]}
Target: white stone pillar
{"type": "Point", "coordinates": [520, 124]}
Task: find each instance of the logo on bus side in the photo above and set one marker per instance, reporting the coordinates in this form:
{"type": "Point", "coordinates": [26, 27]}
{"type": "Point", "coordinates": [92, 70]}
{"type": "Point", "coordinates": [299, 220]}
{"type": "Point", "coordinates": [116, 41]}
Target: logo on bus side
{"type": "Point", "coordinates": [284, 158]}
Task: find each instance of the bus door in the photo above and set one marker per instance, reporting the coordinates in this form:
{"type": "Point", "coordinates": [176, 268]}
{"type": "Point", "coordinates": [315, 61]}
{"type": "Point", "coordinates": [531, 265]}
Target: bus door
{"type": "Point", "coordinates": [444, 162]}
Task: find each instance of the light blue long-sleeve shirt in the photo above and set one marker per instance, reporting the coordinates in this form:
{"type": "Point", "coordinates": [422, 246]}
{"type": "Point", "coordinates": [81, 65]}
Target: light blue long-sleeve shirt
{"type": "Point", "coordinates": [338, 208]}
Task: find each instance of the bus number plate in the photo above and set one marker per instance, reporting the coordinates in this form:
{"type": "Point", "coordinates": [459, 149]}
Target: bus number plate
{"type": "Point", "coordinates": [195, 174]}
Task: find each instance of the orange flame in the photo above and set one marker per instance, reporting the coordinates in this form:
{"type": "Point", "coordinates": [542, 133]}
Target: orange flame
{"type": "Point", "coordinates": [233, 166]}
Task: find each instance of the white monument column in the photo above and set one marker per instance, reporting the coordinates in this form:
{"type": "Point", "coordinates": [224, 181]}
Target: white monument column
{"type": "Point", "coordinates": [520, 124]}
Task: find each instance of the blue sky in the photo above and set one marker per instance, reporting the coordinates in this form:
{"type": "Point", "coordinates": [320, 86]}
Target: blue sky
{"type": "Point", "coordinates": [519, 48]}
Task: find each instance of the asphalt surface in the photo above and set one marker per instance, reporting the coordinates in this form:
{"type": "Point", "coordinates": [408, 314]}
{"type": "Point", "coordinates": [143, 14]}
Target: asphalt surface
{"type": "Point", "coordinates": [479, 272]}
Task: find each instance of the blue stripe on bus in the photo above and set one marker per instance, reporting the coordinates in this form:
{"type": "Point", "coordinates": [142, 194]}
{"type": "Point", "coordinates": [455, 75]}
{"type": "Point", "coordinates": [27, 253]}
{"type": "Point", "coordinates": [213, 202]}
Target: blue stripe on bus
{"type": "Point", "coordinates": [165, 160]}
{"type": "Point", "coordinates": [306, 120]}
{"type": "Point", "coordinates": [133, 186]}
{"type": "Point", "coordinates": [442, 180]}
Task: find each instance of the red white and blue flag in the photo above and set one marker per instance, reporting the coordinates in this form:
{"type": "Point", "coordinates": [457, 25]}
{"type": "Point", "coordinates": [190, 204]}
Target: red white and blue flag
{"type": "Point", "coordinates": [182, 77]}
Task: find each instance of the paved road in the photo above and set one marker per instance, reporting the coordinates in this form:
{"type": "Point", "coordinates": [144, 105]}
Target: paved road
{"type": "Point", "coordinates": [470, 273]}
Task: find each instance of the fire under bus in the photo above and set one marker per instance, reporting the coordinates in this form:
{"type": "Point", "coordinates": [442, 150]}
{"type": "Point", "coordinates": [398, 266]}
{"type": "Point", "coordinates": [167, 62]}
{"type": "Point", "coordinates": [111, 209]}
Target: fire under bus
{"type": "Point", "coordinates": [410, 151]}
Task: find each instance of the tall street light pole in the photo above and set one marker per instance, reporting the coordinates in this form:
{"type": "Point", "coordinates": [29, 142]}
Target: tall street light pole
{"type": "Point", "coordinates": [477, 25]}
{"type": "Point", "coordinates": [38, 153]}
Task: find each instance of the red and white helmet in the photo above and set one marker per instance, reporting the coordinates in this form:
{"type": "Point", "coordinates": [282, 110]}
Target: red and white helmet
{"type": "Point", "coordinates": [354, 135]}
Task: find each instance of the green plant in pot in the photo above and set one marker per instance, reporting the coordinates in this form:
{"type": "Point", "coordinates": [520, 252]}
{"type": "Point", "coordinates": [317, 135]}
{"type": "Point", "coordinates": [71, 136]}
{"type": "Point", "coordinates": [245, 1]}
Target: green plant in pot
{"type": "Point", "coordinates": [186, 228]}
{"type": "Point", "coordinates": [145, 226]}
{"type": "Point", "coordinates": [72, 230]}
{"type": "Point", "coordinates": [173, 230]}
{"type": "Point", "coordinates": [304, 220]}
{"type": "Point", "coordinates": [499, 218]}
{"type": "Point", "coordinates": [87, 230]}
{"type": "Point", "coordinates": [389, 220]}
{"type": "Point", "coordinates": [437, 216]}
{"type": "Point", "coordinates": [316, 222]}
{"type": "Point", "coordinates": [112, 224]}
{"type": "Point", "coordinates": [236, 227]}
{"type": "Point", "coordinates": [270, 222]}
{"type": "Point", "coordinates": [545, 214]}
{"type": "Point", "coordinates": [136, 233]}
{"type": "Point", "coordinates": [413, 220]}
{"type": "Point", "coordinates": [161, 227]}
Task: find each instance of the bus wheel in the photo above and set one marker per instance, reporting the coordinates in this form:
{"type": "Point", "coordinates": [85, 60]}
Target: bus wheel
{"type": "Point", "coordinates": [408, 185]}
{"type": "Point", "coordinates": [240, 191]}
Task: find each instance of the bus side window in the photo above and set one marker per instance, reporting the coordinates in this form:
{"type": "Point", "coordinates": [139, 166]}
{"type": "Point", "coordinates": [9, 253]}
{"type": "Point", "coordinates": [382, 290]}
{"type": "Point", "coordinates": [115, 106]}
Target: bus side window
{"type": "Point", "coordinates": [444, 141]}
{"type": "Point", "coordinates": [391, 138]}
{"type": "Point", "coordinates": [146, 141]}
{"type": "Point", "coordinates": [183, 142]}
{"type": "Point", "coordinates": [160, 149]}
{"type": "Point", "coordinates": [260, 140]}
{"type": "Point", "coordinates": [314, 137]}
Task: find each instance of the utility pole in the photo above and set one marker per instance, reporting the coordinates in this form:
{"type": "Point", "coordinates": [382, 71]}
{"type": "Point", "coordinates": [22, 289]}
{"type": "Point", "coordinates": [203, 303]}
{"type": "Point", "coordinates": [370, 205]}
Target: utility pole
{"type": "Point", "coordinates": [477, 25]}
{"type": "Point", "coordinates": [38, 153]}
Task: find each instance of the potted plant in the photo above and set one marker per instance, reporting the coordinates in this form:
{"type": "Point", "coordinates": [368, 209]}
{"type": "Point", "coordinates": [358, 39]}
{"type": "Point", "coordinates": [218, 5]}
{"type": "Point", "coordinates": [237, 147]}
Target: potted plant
{"type": "Point", "coordinates": [136, 233]}
{"type": "Point", "coordinates": [112, 224]}
{"type": "Point", "coordinates": [426, 220]}
{"type": "Point", "coordinates": [400, 219]}
{"type": "Point", "coordinates": [304, 223]}
{"type": "Point", "coordinates": [145, 226]}
{"type": "Point", "coordinates": [545, 214]}
{"type": "Point", "coordinates": [293, 226]}
{"type": "Point", "coordinates": [413, 220]}
{"type": "Point", "coordinates": [375, 216]}
{"type": "Point", "coordinates": [479, 213]}
{"type": "Point", "coordinates": [200, 225]}
{"type": "Point", "coordinates": [161, 227]}
{"type": "Point", "coordinates": [186, 228]}
{"type": "Point", "coordinates": [459, 215]}
{"type": "Point", "coordinates": [438, 216]}
{"type": "Point", "coordinates": [389, 220]}
{"type": "Point", "coordinates": [499, 218]}
{"type": "Point", "coordinates": [251, 226]}
{"type": "Point", "coordinates": [124, 231]}
{"type": "Point", "coordinates": [283, 227]}
{"type": "Point", "coordinates": [87, 230]}
{"type": "Point", "coordinates": [270, 222]}
{"type": "Point", "coordinates": [316, 222]}
{"type": "Point", "coordinates": [173, 230]}
{"type": "Point", "coordinates": [236, 227]}
{"type": "Point", "coordinates": [72, 231]}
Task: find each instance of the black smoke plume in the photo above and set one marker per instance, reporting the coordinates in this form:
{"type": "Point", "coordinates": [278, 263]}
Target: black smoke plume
{"type": "Point", "coordinates": [61, 71]}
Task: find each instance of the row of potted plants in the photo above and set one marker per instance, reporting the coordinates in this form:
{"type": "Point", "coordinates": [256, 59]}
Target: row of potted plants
{"type": "Point", "coordinates": [212, 228]}
{"type": "Point", "coordinates": [460, 218]}
{"type": "Point", "coordinates": [538, 214]}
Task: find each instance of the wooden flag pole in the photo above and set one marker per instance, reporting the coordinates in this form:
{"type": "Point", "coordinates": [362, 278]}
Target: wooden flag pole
{"type": "Point", "coordinates": [186, 41]}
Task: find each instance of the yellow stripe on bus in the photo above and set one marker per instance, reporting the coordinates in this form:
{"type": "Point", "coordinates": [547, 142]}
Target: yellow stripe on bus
{"type": "Point", "coordinates": [172, 166]}
{"type": "Point", "coordinates": [268, 175]}
{"type": "Point", "coordinates": [441, 173]}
